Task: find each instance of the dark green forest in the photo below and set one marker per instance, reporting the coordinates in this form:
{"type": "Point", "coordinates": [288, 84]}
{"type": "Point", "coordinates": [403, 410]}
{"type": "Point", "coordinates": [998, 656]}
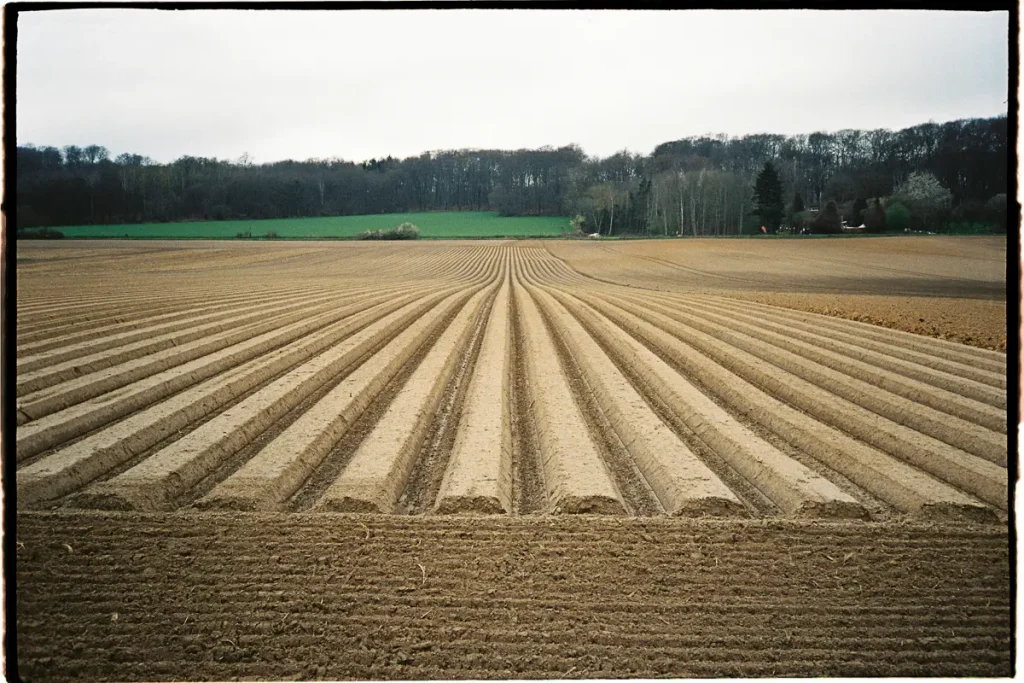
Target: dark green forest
{"type": "Point", "coordinates": [929, 176]}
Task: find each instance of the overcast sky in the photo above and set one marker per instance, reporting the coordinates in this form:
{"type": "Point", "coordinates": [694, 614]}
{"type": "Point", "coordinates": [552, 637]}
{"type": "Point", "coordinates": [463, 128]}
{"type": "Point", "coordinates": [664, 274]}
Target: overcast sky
{"type": "Point", "coordinates": [362, 84]}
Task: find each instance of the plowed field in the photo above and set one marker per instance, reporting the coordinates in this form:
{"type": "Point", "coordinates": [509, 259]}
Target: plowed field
{"type": "Point", "coordinates": [474, 460]}
{"type": "Point", "coordinates": [946, 287]}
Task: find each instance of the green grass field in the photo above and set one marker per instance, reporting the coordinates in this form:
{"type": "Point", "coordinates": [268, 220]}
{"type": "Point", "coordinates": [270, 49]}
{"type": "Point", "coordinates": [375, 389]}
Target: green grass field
{"type": "Point", "coordinates": [432, 225]}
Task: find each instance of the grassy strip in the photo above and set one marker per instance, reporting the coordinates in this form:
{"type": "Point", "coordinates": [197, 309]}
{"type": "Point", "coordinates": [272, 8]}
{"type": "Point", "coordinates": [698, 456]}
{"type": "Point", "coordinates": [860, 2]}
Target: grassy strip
{"type": "Point", "coordinates": [461, 224]}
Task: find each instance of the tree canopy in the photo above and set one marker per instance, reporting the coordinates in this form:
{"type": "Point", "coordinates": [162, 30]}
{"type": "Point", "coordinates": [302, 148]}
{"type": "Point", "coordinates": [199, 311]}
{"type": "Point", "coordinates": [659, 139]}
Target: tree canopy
{"type": "Point", "coordinates": [694, 186]}
{"type": "Point", "coordinates": [925, 196]}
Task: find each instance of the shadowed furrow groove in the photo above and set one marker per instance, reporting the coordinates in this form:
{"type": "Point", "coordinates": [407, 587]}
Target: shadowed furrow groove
{"type": "Point", "coordinates": [152, 483]}
{"type": "Point", "coordinates": [47, 401]}
{"type": "Point", "coordinates": [966, 471]}
{"type": "Point", "coordinates": [478, 477]}
{"type": "Point", "coordinates": [893, 341]}
{"type": "Point", "coordinates": [70, 468]}
{"type": "Point", "coordinates": [575, 477]}
{"type": "Point", "coordinates": [423, 485]}
{"type": "Point", "coordinates": [121, 339]}
{"type": "Point", "coordinates": [274, 474]}
{"type": "Point", "coordinates": [790, 485]}
{"type": "Point", "coordinates": [638, 496]}
{"type": "Point", "coordinates": [141, 325]}
{"type": "Point", "coordinates": [70, 327]}
{"type": "Point", "coordinates": [917, 367]}
{"type": "Point", "coordinates": [977, 432]}
{"type": "Point", "coordinates": [897, 484]}
{"type": "Point", "coordinates": [62, 425]}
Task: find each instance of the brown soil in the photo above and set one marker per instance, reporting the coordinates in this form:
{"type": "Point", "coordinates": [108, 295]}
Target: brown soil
{"type": "Point", "coordinates": [226, 596]}
{"type": "Point", "coordinates": [976, 322]}
{"type": "Point", "coordinates": [944, 287]}
{"type": "Point", "coordinates": [594, 415]}
{"type": "Point", "coordinates": [861, 472]}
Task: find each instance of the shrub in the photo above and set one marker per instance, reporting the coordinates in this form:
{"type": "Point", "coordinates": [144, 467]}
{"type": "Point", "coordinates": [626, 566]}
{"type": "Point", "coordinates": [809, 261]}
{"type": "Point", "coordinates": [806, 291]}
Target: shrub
{"type": "Point", "coordinates": [996, 210]}
{"type": "Point", "coordinates": [576, 225]}
{"type": "Point", "coordinates": [972, 228]}
{"type": "Point", "coordinates": [846, 212]}
{"type": "Point", "coordinates": [271, 235]}
{"type": "Point", "coordinates": [968, 211]}
{"type": "Point", "coordinates": [858, 212]}
{"type": "Point", "coordinates": [41, 234]}
{"type": "Point", "coordinates": [897, 217]}
{"type": "Point", "coordinates": [803, 220]}
{"type": "Point", "coordinates": [828, 221]}
{"type": "Point", "coordinates": [243, 235]}
{"type": "Point", "coordinates": [874, 218]}
{"type": "Point", "coordinates": [405, 231]}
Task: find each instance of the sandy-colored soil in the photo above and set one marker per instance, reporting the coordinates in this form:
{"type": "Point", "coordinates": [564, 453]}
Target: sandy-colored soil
{"type": "Point", "coordinates": [658, 475]}
{"type": "Point", "coordinates": [945, 287]}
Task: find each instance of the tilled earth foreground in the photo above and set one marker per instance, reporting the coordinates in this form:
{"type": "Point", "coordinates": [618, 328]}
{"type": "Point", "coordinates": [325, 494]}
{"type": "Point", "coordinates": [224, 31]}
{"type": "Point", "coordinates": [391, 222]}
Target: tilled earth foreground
{"type": "Point", "coordinates": [187, 596]}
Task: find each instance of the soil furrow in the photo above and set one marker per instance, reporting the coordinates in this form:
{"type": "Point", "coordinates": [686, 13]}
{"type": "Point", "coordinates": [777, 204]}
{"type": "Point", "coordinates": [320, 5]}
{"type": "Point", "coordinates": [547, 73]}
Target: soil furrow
{"type": "Point", "coordinates": [575, 478]}
{"type": "Point", "coordinates": [61, 426]}
{"type": "Point", "coordinates": [792, 486]}
{"type": "Point", "coordinates": [423, 485]}
{"type": "Point", "coordinates": [982, 433]}
{"type": "Point", "coordinates": [70, 468]}
{"type": "Point", "coordinates": [478, 477]}
{"type": "Point", "coordinates": [990, 361]}
{"type": "Point", "coordinates": [965, 386]}
{"type": "Point", "coordinates": [276, 472]}
{"type": "Point", "coordinates": [140, 324]}
{"type": "Point", "coordinates": [154, 482]}
{"type": "Point", "coordinates": [897, 484]}
{"type": "Point", "coordinates": [528, 488]}
{"type": "Point", "coordinates": [50, 400]}
{"type": "Point", "coordinates": [767, 492]}
{"type": "Point", "coordinates": [963, 470]}
{"type": "Point", "coordinates": [51, 359]}
{"type": "Point", "coordinates": [234, 610]}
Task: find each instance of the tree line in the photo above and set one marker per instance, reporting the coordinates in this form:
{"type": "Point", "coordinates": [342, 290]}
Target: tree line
{"type": "Point", "coordinates": [694, 186]}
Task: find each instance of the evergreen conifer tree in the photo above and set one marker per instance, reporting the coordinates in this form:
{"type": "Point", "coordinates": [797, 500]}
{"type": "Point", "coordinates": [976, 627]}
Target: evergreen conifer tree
{"type": "Point", "coordinates": [768, 197]}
